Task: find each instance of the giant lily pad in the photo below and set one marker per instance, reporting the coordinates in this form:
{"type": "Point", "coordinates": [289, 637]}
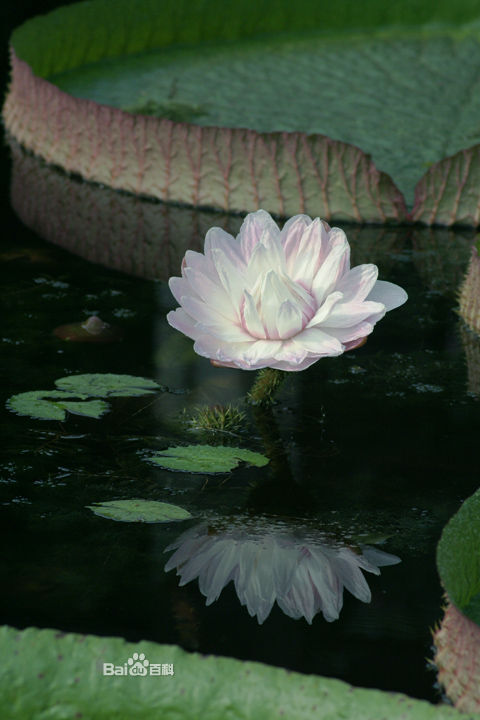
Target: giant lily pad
{"type": "Point", "coordinates": [137, 510]}
{"type": "Point", "coordinates": [458, 558]}
{"type": "Point", "coordinates": [206, 458]}
{"type": "Point", "coordinates": [336, 111]}
{"type": "Point", "coordinates": [46, 673]}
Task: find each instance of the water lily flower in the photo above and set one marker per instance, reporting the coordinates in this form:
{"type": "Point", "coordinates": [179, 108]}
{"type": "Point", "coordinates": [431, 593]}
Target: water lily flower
{"type": "Point", "coordinates": [302, 575]}
{"type": "Point", "coordinates": [276, 298]}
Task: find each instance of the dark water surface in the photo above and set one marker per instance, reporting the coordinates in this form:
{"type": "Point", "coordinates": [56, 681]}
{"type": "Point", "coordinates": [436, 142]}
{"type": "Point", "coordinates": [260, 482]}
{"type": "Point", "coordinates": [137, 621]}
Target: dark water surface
{"type": "Point", "coordinates": [376, 446]}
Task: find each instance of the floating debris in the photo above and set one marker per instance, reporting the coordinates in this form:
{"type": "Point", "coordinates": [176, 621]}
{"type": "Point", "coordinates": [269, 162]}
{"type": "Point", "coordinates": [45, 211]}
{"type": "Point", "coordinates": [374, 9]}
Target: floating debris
{"type": "Point", "coordinates": [93, 330]}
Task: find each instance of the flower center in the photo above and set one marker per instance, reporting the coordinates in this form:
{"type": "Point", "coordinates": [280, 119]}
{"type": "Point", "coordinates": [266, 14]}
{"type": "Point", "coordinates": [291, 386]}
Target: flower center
{"type": "Point", "coordinates": [276, 308]}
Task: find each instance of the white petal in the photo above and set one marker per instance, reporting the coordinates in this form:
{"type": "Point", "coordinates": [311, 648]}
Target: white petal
{"type": "Point", "coordinates": [318, 342]}
{"type": "Point", "coordinates": [292, 353]}
{"type": "Point", "coordinates": [290, 367]}
{"type": "Point", "coordinates": [324, 310]}
{"type": "Point", "coordinates": [218, 238]}
{"type": "Point", "coordinates": [230, 276]}
{"type": "Point", "coordinates": [180, 286]}
{"type": "Point", "coordinates": [210, 292]}
{"type": "Point", "coordinates": [252, 322]}
{"type": "Point", "coordinates": [179, 320]}
{"type": "Point", "coordinates": [261, 351]}
{"type": "Point", "coordinates": [391, 295]}
{"type": "Point", "coordinates": [345, 335]}
{"type": "Point", "coordinates": [203, 313]}
{"type": "Point", "coordinates": [198, 261]}
{"type": "Point", "coordinates": [253, 227]}
{"type": "Point", "coordinates": [273, 292]}
{"type": "Point", "coordinates": [358, 282]}
{"type": "Point", "coordinates": [213, 348]}
{"type": "Point", "coordinates": [291, 236]}
{"type": "Point", "coordinates": [348, 314]}
{"type": "Point", "coordinates": [308, 256]}
{"type": "Point", "coordinates": [289, 320]}
{"type": "Point", "coordinates": [378, 557]}
{"type": "Point", "coordinates": [330, 270]}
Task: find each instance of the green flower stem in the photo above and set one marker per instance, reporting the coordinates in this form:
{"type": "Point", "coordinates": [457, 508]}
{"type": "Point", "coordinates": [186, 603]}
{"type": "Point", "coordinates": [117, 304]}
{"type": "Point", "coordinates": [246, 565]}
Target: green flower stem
{"type": "Point", "coordinates": [265, 386]}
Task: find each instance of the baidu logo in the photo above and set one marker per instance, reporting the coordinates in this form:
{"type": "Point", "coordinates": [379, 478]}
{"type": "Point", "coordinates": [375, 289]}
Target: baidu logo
{"type": "Point", "coordinates": [138, 666]}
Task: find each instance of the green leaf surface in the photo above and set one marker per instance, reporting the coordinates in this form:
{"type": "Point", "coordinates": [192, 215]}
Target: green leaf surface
{"type": "Point", "coordinates": [137, 510]}
{"type": "Point", "coordinates": [334, 87]}
{"type": "Point", "coordinates": [50, 675]}
{"type": "Point", "coordinates": [107, 385]}
{"type": "Point", "coordinates": [458, 558]}
{"type": "Point", "coordinates": [92, 408]}
{"type": "Point", "coordinates": [44, 404]}
{"type": "Point", "coordinates": [395, 94]}
{"type": "Point", "coordinates": [206, 458]}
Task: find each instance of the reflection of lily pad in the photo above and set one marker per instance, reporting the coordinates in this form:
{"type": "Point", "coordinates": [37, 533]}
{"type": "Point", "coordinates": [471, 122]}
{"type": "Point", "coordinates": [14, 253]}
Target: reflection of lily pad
{"type": "Point", "coordinates": [206, 458]}
{"type": "Point", "coordinates": [458, 558]}
{"type": "Point", "coordinates": [108, 385]}
{"type": "Point", "coordinates": [136, 510]}
{"type": "Point", "coordinates": [47, 673]}
{"type": "Point", "coordinates": [53, 405]}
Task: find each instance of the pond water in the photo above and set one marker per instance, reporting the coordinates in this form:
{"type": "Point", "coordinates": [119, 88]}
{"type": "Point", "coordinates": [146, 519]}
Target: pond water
{"type": "Point", "coordinates": [374, 448]}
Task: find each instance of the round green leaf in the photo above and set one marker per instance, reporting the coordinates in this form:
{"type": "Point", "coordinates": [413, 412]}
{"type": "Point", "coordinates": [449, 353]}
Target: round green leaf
{"type": "Point", "coordinates": [137, 510]}
{"type": "Point", "coordinates": [458, 558]}
{"type": "Point", "coordinates": [206, 458]}
{"type": "Point", "coordinates": [108, 385]}
{"type": "Point", "coordinates": [41, 404]}
{"type": "Point", "coordinates": [91, 408]}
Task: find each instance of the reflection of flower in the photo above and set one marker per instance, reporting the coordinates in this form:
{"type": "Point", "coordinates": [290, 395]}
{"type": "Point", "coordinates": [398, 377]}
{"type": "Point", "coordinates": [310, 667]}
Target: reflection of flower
{"type": "Point", "coordinates": [304, 576]}
{"type": "Point", "coordinates": [278, 299]}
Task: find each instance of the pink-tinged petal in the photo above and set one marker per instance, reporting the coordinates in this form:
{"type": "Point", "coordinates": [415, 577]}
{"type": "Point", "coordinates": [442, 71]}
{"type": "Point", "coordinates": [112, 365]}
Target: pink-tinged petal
{"type": "Point", "coordinates": [292, 353]}
{"type": "Point", "coordinates": [272, 294]}
{"type": "Point", "coordinates": [260, 263]}
{"type": "Point", "coordinates": [289, 320]}
{"type": "Point", "coordinates": [211, 347]}
{"type": "Point", "coordinates": [251, 319]}
{"type": "Point", "coordinates": [211, 292]}
{"type": "Point", "coordinates": [179, 320]}
{"type": "Point", "coordinates": [261, 351]}
{"type": "Point", "coordinates": [230, 276]}
{"type": "Point", "coordinates": [256, 225]}
{"type": "Point", "coordinates": [289, 367]}
{"type": "Point", "coordinates": [348, 314]}
{"type": "Point", "coordinates": [315, 341]}
{"type": "Point", "coordinates": [325, 309]}
{"type": "Point", "coordinates": [331, 269]}
{"type": "Point", "coordinates": [354, 344]}
{"type": "Point", "coordinates": [358, 282]}
{"type": "Point", "coordinates": [391, 295]}
{"type": "Point", "coordinates": [203, 313]}
{"type": "Point", "coordinates": [351, 334]}
{"type": "Point", "coordinates": [180, 287]}
{"type": "Point", "coordinates": [218, 238]}
{"type": "Point", "coordinates": [309, 254]}
{"type": "Point", "coordinates": [291, 236]}
{"type": "Point", "coordinates": [198, 261]}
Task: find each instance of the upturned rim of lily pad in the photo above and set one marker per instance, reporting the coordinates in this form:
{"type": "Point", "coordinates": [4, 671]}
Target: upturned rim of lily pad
{"type": "Point", "coordinates": [154, 156]}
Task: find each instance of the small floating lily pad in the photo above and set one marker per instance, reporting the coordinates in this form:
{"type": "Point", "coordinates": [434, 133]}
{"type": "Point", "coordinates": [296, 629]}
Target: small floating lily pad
{"type": "Point", "coordinates": [206, 458]}
{"type": "Point", "coordinates": [108, 385]}
{"type": "Point", "coordinates": [53, 405]}
{"type": "Point", "coordinates": [137, 510]}
{"type": "Point", "coordinates": [91, 408]}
